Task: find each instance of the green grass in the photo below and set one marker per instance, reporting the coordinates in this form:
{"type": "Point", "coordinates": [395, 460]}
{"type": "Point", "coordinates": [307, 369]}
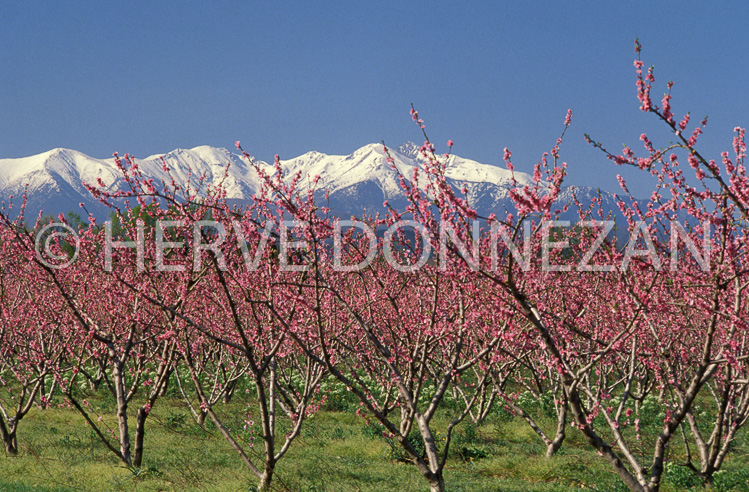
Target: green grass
{"type": "Point", "coordinates": [336, 452]}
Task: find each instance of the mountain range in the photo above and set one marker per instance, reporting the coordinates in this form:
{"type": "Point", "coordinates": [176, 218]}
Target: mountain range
{"type": "Point", "coordinates": [357, 183]}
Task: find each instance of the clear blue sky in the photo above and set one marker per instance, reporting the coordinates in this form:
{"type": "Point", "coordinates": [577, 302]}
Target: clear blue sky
{"type": "Point", "coordinates": [148, 77]}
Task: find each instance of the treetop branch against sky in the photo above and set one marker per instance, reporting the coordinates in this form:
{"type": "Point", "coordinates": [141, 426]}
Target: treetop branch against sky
{"type": "Point", "coordinates": [145, 78]}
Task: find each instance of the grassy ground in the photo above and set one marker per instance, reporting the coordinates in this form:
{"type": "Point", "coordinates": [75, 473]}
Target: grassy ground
{"type": "Point", "coordinates": [336, 452]}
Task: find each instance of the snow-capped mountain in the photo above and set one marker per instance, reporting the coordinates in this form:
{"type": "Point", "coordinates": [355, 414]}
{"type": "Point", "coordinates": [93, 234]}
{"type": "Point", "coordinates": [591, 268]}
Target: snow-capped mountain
{"type": "Point", "coordinates": [357, 183]}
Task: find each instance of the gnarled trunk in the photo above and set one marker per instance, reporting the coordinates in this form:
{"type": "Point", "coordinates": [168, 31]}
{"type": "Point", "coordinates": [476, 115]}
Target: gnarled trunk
{"type": "Point", "coordinates": [10, 440]}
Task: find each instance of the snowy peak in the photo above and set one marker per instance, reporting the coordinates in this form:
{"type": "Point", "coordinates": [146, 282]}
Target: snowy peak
{"type": "Point", "coordinates": [357, 183]}
{"type": "Point", "coordinates": [53, 170]}
{"type": "Point", "coordinates": [409, 150]}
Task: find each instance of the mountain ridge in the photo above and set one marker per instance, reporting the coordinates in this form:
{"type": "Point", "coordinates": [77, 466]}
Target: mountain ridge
{"type": "Point", "coordinates": [357, 183]}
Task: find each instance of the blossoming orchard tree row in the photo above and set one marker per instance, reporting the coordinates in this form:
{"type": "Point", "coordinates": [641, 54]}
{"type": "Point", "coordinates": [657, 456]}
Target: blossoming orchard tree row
{"type": "Point", "coordinates": [478, 324]}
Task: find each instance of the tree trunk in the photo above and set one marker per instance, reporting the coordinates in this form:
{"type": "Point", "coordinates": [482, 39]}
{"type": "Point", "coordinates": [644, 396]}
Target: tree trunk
{"type": "Point", "coordinates": [580, 418]}
{"type": "Point", "coordinates": [165, 386]}
{"type": "Point", "coordinates": [121, 396]}
{"type": "Point", "coordinates": [434, 477]}
{"type": "Point", "coordinates": [267, 477]}
{"type": "Point", "coordinates": [140, 432]}
{"type": "Point", "coordinates": [11, 442]}
{"type": "Point", "coordinates": [708, 478]}
{"type": "Point", "coordinates": [229, 392]}
{"type": "Point", "coordinates": [437, 484]}
{"type": "Point", "coordinates": [553, 446]}
{"type": "Point", "coordinates": [96, 382]}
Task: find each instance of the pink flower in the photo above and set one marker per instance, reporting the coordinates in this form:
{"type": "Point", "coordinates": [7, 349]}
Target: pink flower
{"type": "Point", "coordinates": [449, 143]}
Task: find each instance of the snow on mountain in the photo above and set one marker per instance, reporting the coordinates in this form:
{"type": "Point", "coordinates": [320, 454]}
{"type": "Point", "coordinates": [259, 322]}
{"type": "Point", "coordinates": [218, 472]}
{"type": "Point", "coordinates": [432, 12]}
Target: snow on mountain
{"type": "Point", "coordinates": [357, 183]}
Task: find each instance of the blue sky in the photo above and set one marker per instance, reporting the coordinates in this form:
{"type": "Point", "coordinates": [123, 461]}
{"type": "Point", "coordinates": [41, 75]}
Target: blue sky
{"type": "Point", "coordinates": [148, 77]}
